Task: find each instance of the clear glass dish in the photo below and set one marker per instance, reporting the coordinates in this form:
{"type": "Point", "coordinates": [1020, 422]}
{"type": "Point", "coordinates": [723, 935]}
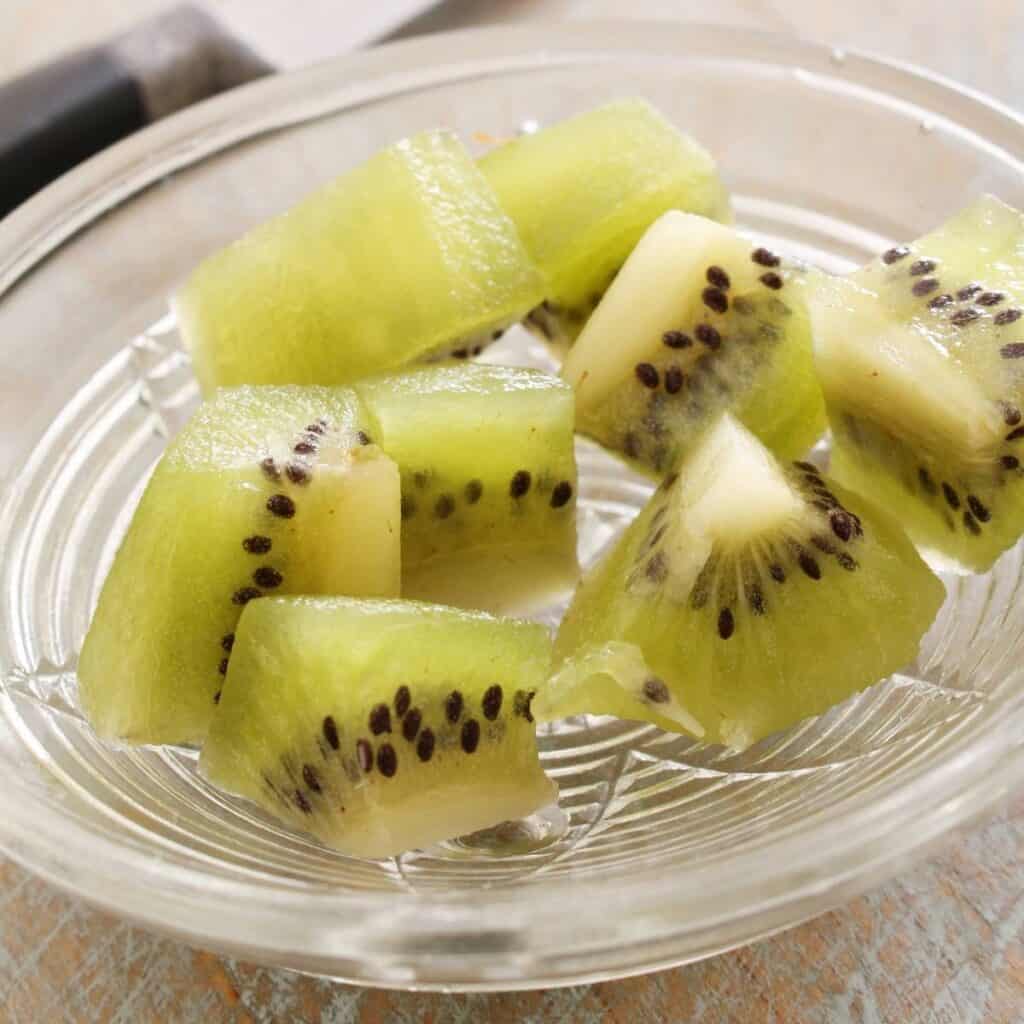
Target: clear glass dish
{"type": "Point", "coordinates": [663, 850]}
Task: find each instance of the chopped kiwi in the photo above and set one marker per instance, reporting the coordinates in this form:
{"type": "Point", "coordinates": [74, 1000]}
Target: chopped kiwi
{"type": "Point", "coordinates": [488, 481]}
{"type": "Point", "coordinates": [407, 257]}
{"type": "Point", "coordinates": [699, 320]}
{"type": "Point", "coordinates": [265, 491]}
{"type": "Point", "coordinates": [921, 357]}
{"type": "Point", "coordinates": [381, 726]}
{"type": "Point", "coordinates": [757, 592]}
{"type": "Point", "coordinates": [583, 191]}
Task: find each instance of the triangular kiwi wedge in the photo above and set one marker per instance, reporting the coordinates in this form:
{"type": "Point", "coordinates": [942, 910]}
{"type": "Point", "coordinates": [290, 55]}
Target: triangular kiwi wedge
{"type": "Point", "coordinates": [921, 358]}
{"type": "Point", "coordinates": [753, 593]}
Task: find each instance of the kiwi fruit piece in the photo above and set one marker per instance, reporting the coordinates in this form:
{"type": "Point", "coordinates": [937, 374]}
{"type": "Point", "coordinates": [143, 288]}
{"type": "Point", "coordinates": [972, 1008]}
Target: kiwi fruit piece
{"type": "Point", "coordinates": [265, 491]}
{"type": "Point", "coordinates": [698, 321]}
{"type": "Point", "coordinates": [381, 726]}
{"type": "Point", "coordinates": [488, 482]}
{"type": "Point", "coordinates": [757, 592]}
{"type": "Point", "coordinates": [584, 190]}
{"type": "Point", "coordinates": [406, 257]}
{"type": "Point", "coordinates": [921, 358]}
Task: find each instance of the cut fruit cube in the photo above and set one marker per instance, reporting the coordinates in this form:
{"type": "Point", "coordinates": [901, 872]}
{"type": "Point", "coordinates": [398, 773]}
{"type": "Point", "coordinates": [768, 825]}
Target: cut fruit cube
{"type": "Point", "coordinates": [408, 257]}
{"type": "Point", "coordinates": [488, 481]}
{"type": "Point", "coordinates": [381, 726]}
{"type": "Point", "coordinates": [698, 321]}
{"type": "Point", "coordinates": [921, 358]}
{"type": "Point", "coordinates": [753, 593]}
{"type": "Point", "coordinates": [583, 191]}
{"type": "Point", "coordinates": [266, 490]}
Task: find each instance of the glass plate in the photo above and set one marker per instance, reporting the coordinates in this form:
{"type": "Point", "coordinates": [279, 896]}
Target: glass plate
{"type": "Point", "coordinates": [663, 850]}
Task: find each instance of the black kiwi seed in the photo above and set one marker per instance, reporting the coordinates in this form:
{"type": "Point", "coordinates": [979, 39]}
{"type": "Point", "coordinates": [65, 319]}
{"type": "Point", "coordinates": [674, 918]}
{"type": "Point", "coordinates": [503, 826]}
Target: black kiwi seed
{"type": "Point", "coordinates": [968, 292]}
{"type": "Point", "coordinates": [1009, 462]}
{"type": "Point", "coordinates": [926, 480]}
{"type": "Point", "coordinates": [646, 374]}
{"type": "Point", "coordinates": [952, 498]}
{"type": "Point", "coordinates": [304, 448]}
{"type": "Point", "coordinates": [971, 523]}
{"type": "Point", "coordinates": [677, 339]}
{"type": "Point", "coordinates": [940, 301]}
{"type": "Point", "coordinates": [981, 512]}
{"type": "Point", "coordinates": [777, 573]}
{"type": "Point", "coordinates": [491, 702]}
{"type": "Point", "coordinates": [1015, 435]}
{"type": "Point", "coordinates": [411, 724]}
{"type": "Point", "coordinates": [925, 286]}
{"type": "Point", "coordinates": [444, 506]}
{"type": "Point", "coordinates": [310, 777]}
{"type": "Point", "coordinates": [1011, 414]}
{"type": "Point", "coordinates": [521, 704]}
{"type": "Point", "coordinates": [848, 562]}
{"type": "Point", "coordinates": [921, 267]}
{"type": "Point", "coordinates": [330, 731]}
{"type": "Point", "coordinates": [809, 564]}
{"type": "Point", "coordinates": [363, 437]}
{"type": "Point", "coordinates": [808, 467]}
{"type": "Point", "coordinates": [364, 755]}
{"type": "Point", "coordinates": [726, 624]}
{"type": "Point", "coordinates": [473, 492]}
{"type": "Point", "coordinates": [1008, 316]}
{"type": "Point", "coordinates": [717, 276]}
{"type": "Point", "coordinates": [227, 641]}
{"type": "Point", "coordinates": [403, 698]}
{"type": "Point", "coordinates": [425, 745]}
{"type": "Point", "coordinates": [470, 735]}
{"type": "Point", "coordinates": [270, 470]}
{"type": "Point", "coordinates": [656, 569]}
{"type": "Point", "coordinates": [962, 317]}
{"type": "Point", "coordinates": [408, 505]}
{"type": "Point", "coordinates": [670, 481]}
{"type": "Point", "coordinates": [842, 525]}
{"type": "Point", "coordinates": [755, 599]}
{"type": "Point", "coordinates": [823, 544]}
{"type": "Point", "coordinates": [421, 478]}
{"type": "Point", "coordinates": [281, 505]}
{"type": "Point", "coordinates": [673, 380]}
{"type": "Point", "coordinates": [245, 594]}
{"type": "Point", "coordinates": [990, 298]}
{"type": "Point", "coordinates": [765, 257]}
{"type": "Point", "coordinates": [453, 706]}
{"type": "Point", "coordinates": [315, 428]}
{"type": "Point", "coordinates": [257, 544]}
{"type": "Point", "coordinates": [387, 760]}
{"type": "Point", "coordinates": [301, 802]}
{"type": "Point", "coordinates": [380, 719]}
{"type": "Point", "coordinates": [561, 493]}
{"type": "Point", "coordinates": [496, 334]}
{"type": "Point", "coordinates": [216, 697]}
{"type": "Point", "coordinates": [897, 252]}
{"type": "Point", "coordinates": [715, 299]}
{"type": "Point", "coordinates": [707, 335]}
{"type": "Point", "coordinates": [655, 690]}
{"type": "Point", "coordinates": [520, 483]}
{"type": "Point", "coordinates": [771, 280]}
{"type": "Point", "coordinates": [460, 353]}
{"type": "Point", "coordinates": [265, 576]}
{"type": "Point", "coordinates": [297, 473]}
{"type": "Point", "coordinates": [222, 668]}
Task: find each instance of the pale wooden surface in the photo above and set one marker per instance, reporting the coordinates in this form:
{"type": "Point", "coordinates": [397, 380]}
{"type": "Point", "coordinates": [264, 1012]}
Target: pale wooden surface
{"type": "Point", "coordinates": [943, 943]}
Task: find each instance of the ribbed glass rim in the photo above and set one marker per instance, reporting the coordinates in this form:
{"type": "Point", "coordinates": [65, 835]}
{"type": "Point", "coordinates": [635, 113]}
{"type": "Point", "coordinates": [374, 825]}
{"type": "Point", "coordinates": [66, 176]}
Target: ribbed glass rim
{"type": "Point", "coordinates": [621, 922]}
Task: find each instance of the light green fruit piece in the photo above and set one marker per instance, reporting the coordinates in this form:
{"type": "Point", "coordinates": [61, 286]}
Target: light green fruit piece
{"type": "Point", "coordinates": [407, 257]}
{"type": "Point", "coordinates": [488, 481]}
{"type": "Point", "coordinates": [381, 726]}
{"type": "Point", "coordinates": [757, 594]}
{"type": "Point", "coordinates": [921, 358]}
{"type": "Point", "coordinates": [266, 490]}
{"type": "Point", "coordinates": [697, 322]}
{"type": "Point", "coordinates": [583, 191]}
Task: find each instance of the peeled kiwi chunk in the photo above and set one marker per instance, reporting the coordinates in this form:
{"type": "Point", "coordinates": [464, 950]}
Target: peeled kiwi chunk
{"type": "Point", "coordinates": [753, 592]}
{"type": "Point", "coordinates": [584, 190]}
{"type": "Point", "coordinates": [921, 357]}
{"type": "Point", "coordinates": [381, 726]}
{"type": "Point", "coordinates": [406, 257]}
{"type": "Point", "coordinates": [265, 491]}
{"type": "Point", "coordinates": [488, 481]}
{"type": "Point", "coordinates": [698, 321]}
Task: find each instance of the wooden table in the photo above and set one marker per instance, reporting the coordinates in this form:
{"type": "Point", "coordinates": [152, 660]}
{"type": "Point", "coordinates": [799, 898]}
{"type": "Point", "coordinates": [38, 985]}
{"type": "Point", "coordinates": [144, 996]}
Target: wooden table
{"type": "Point", "coordinates": [943, 943]}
